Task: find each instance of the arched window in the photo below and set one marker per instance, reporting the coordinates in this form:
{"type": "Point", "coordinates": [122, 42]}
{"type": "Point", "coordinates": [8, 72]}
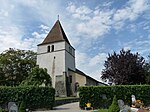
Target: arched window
{"type": "Point", "coordinates": [52, 48]}
{"type": "Point", "coordinates": [48, 48]}
{"type": "Point", "coordinates": [76, 86]}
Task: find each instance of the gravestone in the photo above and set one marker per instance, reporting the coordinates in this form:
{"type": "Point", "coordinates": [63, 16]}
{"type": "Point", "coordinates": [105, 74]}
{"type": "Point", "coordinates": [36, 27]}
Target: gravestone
{"type": "Point", "coordinates": [104, 97]}
{"type": "Point", "coordinates": [123, 108]}
{"type": "Point", "coordinates": [12, 107]}
{"type": "Point", "coordinates": [121, 104]}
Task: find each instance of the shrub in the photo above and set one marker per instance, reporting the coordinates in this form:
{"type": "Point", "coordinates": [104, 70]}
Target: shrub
{"type": "Point", "coordinates": [34, 96]}
{"type": "Point", "coordinates": [1, 110]}
{"type": "Point", "coordinates": [22, 107]}
{"type": "Point", "coordinates": [114, 106]}
{"type": "Point", "coordinates": [124, 92]}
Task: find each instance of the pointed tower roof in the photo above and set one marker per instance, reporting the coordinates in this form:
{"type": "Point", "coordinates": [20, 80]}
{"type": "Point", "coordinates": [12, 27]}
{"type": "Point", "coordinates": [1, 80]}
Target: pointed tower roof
{"type": "Point", "coordinates": [56, 34]}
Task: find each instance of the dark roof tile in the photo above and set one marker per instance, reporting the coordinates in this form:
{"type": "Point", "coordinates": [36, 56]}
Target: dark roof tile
{"type": "Point", "coordinates": [56, 34]}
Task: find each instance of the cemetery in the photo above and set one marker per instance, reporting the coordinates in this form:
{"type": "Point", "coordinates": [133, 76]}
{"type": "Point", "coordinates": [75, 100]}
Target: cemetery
{"type": "Point", "coordinates": [103, 98]}
{"type": "Point", "coordinates": [43, 80]}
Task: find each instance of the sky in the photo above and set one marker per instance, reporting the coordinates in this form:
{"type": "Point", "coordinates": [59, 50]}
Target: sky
{"type": "Point", "coordinates": [93, 27]}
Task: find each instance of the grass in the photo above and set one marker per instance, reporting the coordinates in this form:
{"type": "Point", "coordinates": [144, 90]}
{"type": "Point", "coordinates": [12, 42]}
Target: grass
{"type": "Point", "coordinates": [103, 110]}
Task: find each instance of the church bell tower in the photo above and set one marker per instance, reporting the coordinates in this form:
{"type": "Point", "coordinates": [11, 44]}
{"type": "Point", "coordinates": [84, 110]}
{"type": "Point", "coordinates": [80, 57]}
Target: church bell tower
{"type": "Point", "coordinates": [57, 55]}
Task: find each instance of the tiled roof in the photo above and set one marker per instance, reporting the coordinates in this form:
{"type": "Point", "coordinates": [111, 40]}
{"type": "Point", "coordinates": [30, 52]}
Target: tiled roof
{"type": "Point", "coordinates": [56, 34]}
{"type": "Point", "coordinates": [81, 73]}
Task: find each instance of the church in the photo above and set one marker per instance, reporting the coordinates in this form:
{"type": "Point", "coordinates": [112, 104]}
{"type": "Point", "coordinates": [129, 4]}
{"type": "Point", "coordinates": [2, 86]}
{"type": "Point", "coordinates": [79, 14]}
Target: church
{"type": "Point", "coordinates": [57, 55]}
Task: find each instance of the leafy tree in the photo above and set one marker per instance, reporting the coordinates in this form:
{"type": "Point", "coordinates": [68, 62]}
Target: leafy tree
{"type": "Point", "coordinates": [15, 66]}
{"type": "Point", "coordinates": [124, 68]}
{"type": "Point", "coordinates": [147, 67]}
{"type": "Point", "coordinates": [37, 77]}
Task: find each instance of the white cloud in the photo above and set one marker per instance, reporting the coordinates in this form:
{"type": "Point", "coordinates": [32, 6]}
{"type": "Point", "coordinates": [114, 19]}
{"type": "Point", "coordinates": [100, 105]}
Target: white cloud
{"type": "Point", "coordinates": [148, 36]}
{"type": "Point", "coordinates": [84, 24]}
{"type": "Point", "coordinates": [97, 22]}
{"type": "Point", "coordinates": [98, 59]}
{"type": "Point", "coordinates": [139, 45]}
{"type": "Point", "coordinates": [43, 10]}
{"type": "Point", "coordinates": [92, 65]}
{"type": "Point", "coordinates": [79, 12]}
{"type": "Point", "coordinates": [97, 26]}
{"type": "Point", "coordinates": [131, 11]}
{"type": "Point", "coordinates": [15, 24]}
{"type": "Point", "coordinates": [3, 13]}
{"type": "Point", "coordinates": [43, 27]}
{"type": "Point", "coordinates": [10, 37]}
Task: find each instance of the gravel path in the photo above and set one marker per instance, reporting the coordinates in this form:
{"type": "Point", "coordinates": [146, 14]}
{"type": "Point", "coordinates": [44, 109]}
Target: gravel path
{"type": "Point", "coordinates": [71, 107]}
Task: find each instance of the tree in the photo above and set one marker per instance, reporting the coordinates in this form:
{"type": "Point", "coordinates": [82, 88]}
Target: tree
{"type": "Point", "coordinates": [37, 77]}
{"type": "Point", "coordinates": [15, 66]}
{"type": "Point", "coordinates": [124, 68]}
{"type": "Point", "coordinates": [147, 67]}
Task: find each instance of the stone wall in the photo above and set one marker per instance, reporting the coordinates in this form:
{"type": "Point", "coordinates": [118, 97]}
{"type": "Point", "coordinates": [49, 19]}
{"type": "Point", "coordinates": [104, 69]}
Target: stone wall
{"type": "Point", "coordinates": [60, 86]}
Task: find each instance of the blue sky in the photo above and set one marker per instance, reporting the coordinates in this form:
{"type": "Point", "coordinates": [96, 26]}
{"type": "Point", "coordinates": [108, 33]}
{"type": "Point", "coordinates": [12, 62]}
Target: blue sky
{"type": "Point", "coordinates": [94, 28]}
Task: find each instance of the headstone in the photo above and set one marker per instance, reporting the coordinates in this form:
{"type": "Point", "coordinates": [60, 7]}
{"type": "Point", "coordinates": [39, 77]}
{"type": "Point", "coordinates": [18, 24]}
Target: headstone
{"type": "Point", "coordinates": [12, 107]}
{"type": "Point", "coordinates": [123, 108]}
{"type": "Point", "coordinates": [10, 104]}
{"type": "Point", "coordinates": [121, 104]}
{"type": "Point", "coordinates": [104, 97]}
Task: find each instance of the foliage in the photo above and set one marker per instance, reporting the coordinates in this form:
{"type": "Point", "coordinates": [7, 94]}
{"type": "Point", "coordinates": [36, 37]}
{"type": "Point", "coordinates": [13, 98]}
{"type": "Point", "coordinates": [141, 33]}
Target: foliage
{"type": "Point", "coordinates": [2, 110]}
{"type": "Point", "coordinates": [147, 67]}
{"type": "Point", "coordinates": [124, 68]}
{"type": "Point", "coordinates": [34, 96]}
{"type": "Point", "coordinates": [15, 66]}
{"type": "Point", "coordinates": [37, 77]}
{"type": "Point", "coordinates": [124, 92]}
{"type": "Point", "coordinates": [22, 107]}
{"type": "Point", "coordinates": [114, 106]}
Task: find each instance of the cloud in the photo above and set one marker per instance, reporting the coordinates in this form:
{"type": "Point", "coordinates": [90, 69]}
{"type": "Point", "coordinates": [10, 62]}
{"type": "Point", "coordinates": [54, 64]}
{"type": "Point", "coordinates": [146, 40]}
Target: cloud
{"type": "Point", "coordinates": [148, 36]}
{"type": "Point", "coordinates": [79, 12]}
{"type": "Point", "coordinates": [24, 24]}
{"type": "Point", "coordinates": [94, 64]}
{"type": "Point", "coordinates": [139, 45]}
{"type": "Point", "coordinates": [98, 59]}
{"type": "Point", "coordinates": [12, 37]}
{"type": "Point", "coordinates": [97, 22]}
{"type": "Point", "coordinates": [44, 11]}
{"type": "Point", "coordinates": [94, 23]}
{"type": "Point", "coordinates": [131, 11]}
{"type": "Point", "coordinates": [21, 20]}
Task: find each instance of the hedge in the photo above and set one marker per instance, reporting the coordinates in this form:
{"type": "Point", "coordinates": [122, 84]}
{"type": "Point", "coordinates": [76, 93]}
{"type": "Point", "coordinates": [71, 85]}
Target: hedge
{"type": "Point", "coordinates": [34, 97]}
{"type": "Point", "coordinates": [101, 96]}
